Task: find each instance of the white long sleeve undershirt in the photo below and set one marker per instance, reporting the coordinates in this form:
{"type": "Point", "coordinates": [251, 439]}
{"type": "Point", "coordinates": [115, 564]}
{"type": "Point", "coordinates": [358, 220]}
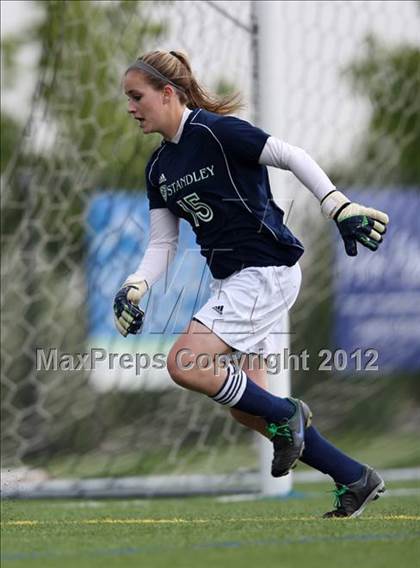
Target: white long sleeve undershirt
{"type": "Point", "coordinates": [287, 157]}
{"type": "Point", "coordinates": [164, 226]}
{"type": "Point", "coordinates": [161, 250]}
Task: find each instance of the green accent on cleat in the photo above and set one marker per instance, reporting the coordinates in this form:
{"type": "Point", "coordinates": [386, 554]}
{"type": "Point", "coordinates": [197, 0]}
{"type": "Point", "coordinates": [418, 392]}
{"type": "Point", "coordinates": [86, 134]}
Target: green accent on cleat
{"type": "Point", "coordinates": [288, 438]}
{"type": "Point", "coordinates": [338, 492]}
{"type": "Point", "coordinates": [280, 430]}
{"type": "Point", "coordinates": [350, 500]}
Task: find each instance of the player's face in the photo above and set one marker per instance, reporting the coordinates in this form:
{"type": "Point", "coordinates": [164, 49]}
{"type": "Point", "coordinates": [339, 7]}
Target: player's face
{"type": "Point", "coordinates": [145, 103]}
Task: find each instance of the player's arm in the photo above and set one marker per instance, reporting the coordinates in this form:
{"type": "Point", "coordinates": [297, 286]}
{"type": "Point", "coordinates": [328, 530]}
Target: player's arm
{"type": "Point", "coordinates": [161, 250]}
{"type": "Point", "coordinates": [355, 222]}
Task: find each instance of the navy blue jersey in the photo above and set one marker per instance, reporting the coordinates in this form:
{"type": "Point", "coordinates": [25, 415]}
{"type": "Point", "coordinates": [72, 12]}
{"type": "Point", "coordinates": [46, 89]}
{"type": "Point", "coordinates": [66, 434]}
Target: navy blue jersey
{"type": "Point", "coordinates": [212, 178]}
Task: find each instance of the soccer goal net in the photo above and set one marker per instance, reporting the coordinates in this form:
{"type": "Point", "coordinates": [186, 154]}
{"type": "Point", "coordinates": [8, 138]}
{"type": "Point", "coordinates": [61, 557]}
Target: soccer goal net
{"type": "Point", "coordinates": [75, 224]}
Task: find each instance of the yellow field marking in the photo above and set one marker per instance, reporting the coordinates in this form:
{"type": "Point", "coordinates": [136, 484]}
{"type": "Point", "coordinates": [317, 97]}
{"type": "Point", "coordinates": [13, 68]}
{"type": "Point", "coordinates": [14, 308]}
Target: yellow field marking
{"type": "Point", "coordinates": [176, 521]}
{"type": "Point", "coordinates": [152, 521]}
{"type": "Point", "coordinates": [144, 521]}
{"type": "Point", "coordinates": [19, 523]}
{"type": "Point", "coordinates": [398, 518]}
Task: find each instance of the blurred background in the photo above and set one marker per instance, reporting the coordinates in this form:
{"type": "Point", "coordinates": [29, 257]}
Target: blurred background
{"type": "Point", "coordinates": [75, 223]}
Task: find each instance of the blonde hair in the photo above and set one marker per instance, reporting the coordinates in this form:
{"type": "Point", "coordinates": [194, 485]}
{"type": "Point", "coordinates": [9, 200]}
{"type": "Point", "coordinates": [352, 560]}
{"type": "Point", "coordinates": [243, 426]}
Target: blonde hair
{"type": "Point", "coordinates": [175, 66]}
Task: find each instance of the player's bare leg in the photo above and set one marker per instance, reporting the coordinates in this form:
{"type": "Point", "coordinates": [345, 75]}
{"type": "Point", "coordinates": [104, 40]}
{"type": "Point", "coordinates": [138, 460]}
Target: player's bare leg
{"type": "Point", "coordinates": [192, 361]}
{"type": "Point", "coordinates": [199, 339]}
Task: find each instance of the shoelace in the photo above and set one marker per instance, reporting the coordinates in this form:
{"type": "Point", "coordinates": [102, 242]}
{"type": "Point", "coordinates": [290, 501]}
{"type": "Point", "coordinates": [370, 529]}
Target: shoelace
{"type": "Point", "coordinates": [280, 430]}
{"type": "Point", "coordinates": [338, 493]}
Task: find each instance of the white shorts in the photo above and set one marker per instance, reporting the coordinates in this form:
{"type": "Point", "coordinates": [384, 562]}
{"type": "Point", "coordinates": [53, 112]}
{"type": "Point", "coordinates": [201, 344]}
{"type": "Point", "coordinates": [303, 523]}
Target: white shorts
{"type": "Point", "coordinates": [248, 310]}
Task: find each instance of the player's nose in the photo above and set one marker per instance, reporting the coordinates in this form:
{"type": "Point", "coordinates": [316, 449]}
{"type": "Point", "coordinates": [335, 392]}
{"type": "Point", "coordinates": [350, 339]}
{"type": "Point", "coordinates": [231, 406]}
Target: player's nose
{"type": "Point", "coordinates": [131, 107]}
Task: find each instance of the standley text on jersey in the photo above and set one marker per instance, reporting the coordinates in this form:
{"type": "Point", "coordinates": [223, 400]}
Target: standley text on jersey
{"type": "Point", "coordinates": [188, 179]}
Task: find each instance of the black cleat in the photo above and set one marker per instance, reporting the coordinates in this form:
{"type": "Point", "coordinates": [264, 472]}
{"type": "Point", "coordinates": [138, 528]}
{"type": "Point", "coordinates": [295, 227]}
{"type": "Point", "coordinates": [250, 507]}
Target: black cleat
{"type": "Point", "coordinates": [350, 500]}
{"type": "Point", "coordinates": [288, 438]}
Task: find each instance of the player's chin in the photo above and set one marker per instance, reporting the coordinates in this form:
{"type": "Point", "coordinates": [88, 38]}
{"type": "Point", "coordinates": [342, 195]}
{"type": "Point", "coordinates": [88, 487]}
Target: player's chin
{"type": "Point", "coordinates": [146, 128]}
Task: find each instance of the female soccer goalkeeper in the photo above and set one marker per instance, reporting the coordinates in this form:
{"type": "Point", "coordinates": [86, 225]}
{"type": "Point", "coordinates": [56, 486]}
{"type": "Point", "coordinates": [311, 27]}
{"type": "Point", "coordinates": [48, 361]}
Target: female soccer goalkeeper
{"type": "Point", "coordinates": [211, 170]}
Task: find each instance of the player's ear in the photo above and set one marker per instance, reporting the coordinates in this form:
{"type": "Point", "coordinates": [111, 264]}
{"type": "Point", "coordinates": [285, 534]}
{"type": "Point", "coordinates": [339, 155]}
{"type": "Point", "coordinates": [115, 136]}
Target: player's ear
{"type": "Point", "coordinates": [168, 92]}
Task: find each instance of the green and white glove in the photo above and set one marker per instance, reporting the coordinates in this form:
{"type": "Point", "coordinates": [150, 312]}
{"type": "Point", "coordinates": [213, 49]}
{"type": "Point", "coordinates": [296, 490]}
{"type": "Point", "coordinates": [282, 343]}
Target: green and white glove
{"type": "Point", "coordinates": [128, 317]}
{"type": "Point", "coordinates": [356, 223]}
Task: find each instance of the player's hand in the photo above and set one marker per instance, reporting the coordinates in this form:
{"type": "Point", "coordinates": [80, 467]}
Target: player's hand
{"type": "Point", "coordinates": [128, 317]}
{"type": "Point", "coordinates": [356, 223]}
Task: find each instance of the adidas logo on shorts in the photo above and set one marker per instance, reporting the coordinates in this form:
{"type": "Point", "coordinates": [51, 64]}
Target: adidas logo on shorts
{"type": "Point", "coordinates": [162, 178]}
{"type": "Point", "coordinates": [219, 309]}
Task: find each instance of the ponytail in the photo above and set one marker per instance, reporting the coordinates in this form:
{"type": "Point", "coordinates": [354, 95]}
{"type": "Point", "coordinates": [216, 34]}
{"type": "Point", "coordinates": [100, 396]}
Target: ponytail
{"type": "Point", "coordinates": [176, 68]}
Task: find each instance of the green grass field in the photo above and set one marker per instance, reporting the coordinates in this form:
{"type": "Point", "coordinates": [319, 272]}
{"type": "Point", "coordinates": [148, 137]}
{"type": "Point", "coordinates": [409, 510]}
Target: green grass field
{"type": "Point", "coordinates": [210, 532]}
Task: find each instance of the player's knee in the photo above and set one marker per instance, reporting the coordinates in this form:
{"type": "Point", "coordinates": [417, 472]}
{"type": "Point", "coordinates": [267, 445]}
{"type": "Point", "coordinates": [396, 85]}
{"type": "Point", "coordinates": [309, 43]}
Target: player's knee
{"type": "Point", "coordinates": [178, 364]}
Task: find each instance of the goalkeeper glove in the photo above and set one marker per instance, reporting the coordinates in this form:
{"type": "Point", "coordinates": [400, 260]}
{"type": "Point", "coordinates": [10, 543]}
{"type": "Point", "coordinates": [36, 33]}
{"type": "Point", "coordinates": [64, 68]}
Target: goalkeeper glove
{"type": "Point", "coordinates": [128, 317]}
{"type": "Point", "coordinates": [356, 223]}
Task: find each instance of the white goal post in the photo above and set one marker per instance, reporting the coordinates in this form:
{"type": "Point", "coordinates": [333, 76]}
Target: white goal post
{"type": "Point", "coordinates": [269, 76]}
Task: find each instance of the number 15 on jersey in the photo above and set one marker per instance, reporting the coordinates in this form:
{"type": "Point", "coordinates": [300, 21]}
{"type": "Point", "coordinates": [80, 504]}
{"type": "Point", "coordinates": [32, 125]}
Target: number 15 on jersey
{"type": "Point", "coordinates": [200, 211]}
